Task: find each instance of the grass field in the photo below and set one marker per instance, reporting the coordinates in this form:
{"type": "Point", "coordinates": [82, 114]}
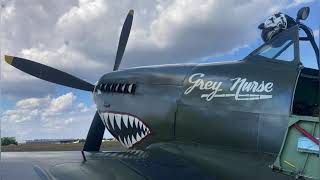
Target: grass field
{"type": "Point", "coordinates": [105, 146]}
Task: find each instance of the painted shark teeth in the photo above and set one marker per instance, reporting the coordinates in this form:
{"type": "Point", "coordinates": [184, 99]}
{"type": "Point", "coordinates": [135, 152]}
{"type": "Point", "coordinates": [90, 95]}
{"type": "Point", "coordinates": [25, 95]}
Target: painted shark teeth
{"type": "Point", "coordinates": [125, 120]}
{"type": "Point", "coordinates": [131, 119]}
{"type": "Point", "coordinates": [110, 116]}
{"type": "Point", "coordinates": [118, 120]}
{"type": "Point", "coordinates": [128, 129]}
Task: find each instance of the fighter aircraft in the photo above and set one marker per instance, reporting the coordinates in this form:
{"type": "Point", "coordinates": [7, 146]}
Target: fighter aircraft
{"type": "Point", "coordinates": [250, 119]}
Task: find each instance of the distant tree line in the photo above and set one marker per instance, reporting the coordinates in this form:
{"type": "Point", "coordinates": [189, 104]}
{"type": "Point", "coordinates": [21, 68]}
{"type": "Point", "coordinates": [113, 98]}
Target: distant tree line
{"type": "Point", "coordinates": [5, 141]}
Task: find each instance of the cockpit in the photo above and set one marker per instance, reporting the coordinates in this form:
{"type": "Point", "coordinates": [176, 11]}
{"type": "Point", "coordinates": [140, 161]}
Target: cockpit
{"type": "Point", "coordinates": [289, 47]}
{"type": "Point", "coordinates": [279, 48]}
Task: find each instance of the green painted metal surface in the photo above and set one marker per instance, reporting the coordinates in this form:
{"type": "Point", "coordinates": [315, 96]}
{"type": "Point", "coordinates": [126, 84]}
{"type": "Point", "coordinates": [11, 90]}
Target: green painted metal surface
{"type": "Point", "coordinates": [292, 162]}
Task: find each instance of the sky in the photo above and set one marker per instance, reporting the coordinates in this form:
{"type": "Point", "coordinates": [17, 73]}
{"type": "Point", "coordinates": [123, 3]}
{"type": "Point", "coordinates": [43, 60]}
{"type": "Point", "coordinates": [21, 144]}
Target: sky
{"type": "Point", "coordinates": [81, 37]}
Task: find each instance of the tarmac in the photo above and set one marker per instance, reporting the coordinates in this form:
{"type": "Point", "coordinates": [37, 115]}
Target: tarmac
{"type": "Point", "coordinates": [62, 165]}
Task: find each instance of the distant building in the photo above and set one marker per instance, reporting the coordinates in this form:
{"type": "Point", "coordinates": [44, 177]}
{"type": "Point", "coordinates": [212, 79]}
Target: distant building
{"type": "Point", "coordinates": [108, 139]}
{"type": "Point", "coordinates": [52, 141]}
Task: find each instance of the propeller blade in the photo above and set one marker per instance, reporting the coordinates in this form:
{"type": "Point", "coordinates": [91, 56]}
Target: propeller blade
{"type": "Point", "coordinates": [48, 73]}
{"type": "Point", "coordinates": [95, 134]}
{"type": "Point", "coordinates": [125, 32]}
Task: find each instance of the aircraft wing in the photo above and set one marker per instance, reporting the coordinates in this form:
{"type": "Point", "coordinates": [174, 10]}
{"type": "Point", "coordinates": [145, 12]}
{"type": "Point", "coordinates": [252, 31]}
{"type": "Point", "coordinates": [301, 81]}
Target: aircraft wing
{"type": "Point", "coordinates": [131, 164]}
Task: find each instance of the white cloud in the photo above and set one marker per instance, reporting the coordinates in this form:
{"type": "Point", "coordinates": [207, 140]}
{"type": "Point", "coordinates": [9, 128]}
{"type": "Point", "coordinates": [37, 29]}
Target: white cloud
{"type": "Point", "coordinates": [47, 116]}
{"type": "Point", "coordinates": [62, 57]}
{"type": "Point", "coordinates": [31, 103]}
{"type": "Point", "coordinates": [84, 13]}
{"type": "Point", "coordinates": [62, 103]}
{"type": "Point", "coordinates": [82, 107]}
{"type": "Point", "coordinates": [296, 3]}
{"type": "Point", "coordinates": [81, 37]}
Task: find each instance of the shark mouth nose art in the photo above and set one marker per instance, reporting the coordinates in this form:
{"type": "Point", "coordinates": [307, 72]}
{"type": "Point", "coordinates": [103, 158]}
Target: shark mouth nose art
{"type": "Point", "coordinates": [126, 128]}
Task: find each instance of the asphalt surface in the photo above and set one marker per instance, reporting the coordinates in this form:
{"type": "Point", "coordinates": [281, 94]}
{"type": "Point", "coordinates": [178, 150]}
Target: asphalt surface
{"type": "Point", "coordinates": [63, 165]}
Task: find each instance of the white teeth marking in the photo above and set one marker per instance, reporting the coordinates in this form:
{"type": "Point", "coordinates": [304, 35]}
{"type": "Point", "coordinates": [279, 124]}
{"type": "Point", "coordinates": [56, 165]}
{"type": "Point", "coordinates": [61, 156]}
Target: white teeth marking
{"type": "Point", "coordinates": [102, 116]}
{"type": "Point", "coordinates": [118, 120]}
{"type": "Point", "coordinates": [142, 134]}
{"type": "Point", "coordinates": [136, 121]}
{"type": "Point", "coordinates": [131, 120]}
{"type": "Point", "coordinates": [123, 87]}
{"type": "Point", "coordinates": [107, 125]}
{"type": "Point", "coordinates": [138, 137]}
{"type": "Point", "coordinates": [111, 118]}
{"type": "Point", "coordinates": [125, 120]}
{"type": "Point", "coordinates": [133, 139]}
{"type": "Point", "coordinates": [129, 141]}
{"type": "Point", "coordinates": [105, 117]}
{"type": "Point", "coordinates": [121, 142]}
{"type": "Point", "coordinates": [125, 142]}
